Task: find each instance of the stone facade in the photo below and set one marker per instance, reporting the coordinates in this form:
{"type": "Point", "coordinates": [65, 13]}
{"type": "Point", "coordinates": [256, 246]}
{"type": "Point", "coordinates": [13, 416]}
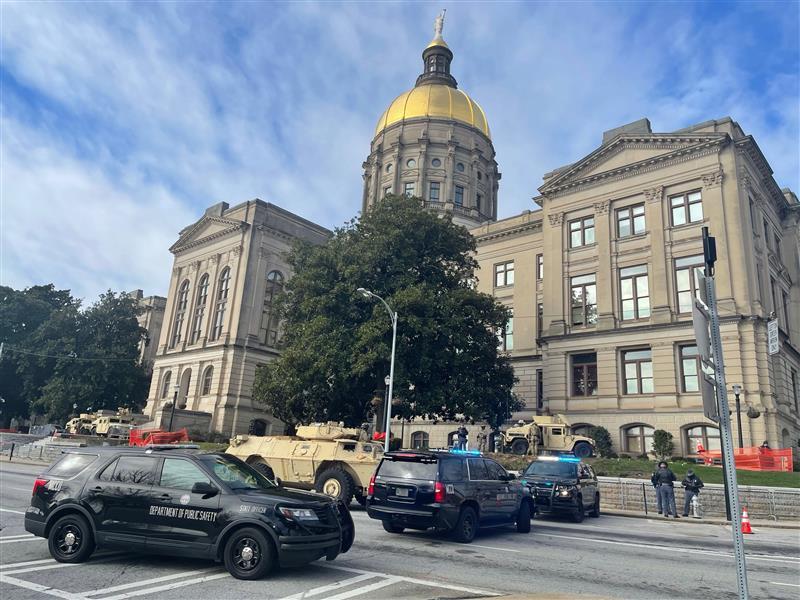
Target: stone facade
{"type": "Point", "coordinates": [151, 319]}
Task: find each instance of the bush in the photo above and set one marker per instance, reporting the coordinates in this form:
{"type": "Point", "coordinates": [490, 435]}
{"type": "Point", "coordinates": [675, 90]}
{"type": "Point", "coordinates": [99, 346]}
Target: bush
{"type": "Point", "coordinates": [602, 438]}
{"type": "Point", "coordinates": [662, 444]}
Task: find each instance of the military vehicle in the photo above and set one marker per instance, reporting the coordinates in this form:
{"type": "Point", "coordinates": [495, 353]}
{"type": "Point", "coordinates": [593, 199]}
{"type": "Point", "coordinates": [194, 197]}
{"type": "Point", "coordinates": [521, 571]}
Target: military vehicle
{"type": "Point", "coordinates": [549, 434]}
{"type": "Point", "coordinates": [80, 425]}
{"type": "Point", "coordinates": [327, 457]}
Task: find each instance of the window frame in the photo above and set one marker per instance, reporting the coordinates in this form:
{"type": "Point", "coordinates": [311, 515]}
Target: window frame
{"type": "Point", "coordinates": [691, 449]}
{"type": "Point", "coordinates": [632, 218]}
{"type": "Point", "coordinates": [166, 380]}
{"type": "Point", "coordinates": [409, 185]}
{"type": "Point", "coordinates": [270, 323]}
{"type": "Point", "coordinates": [158, 482]}
{"type": "Point", "coordinates": [506, 335]}
{"type": "Point", "coordinates": [458, 195]}
{"type": "Point", "coordinates": [637, 363]}
{"type": "Point", "coordinates": [207, 380]}
{"type": "Point", "coordinates": [539, 267]}
{"type": "Point", "coordinates": [422, 436]}
{"type": "Point", "coordinates": [583, 229]}
{"type": "Point", "coordinates": [438, 189]}
{"type": "Point", "coordinates": [682, 361]}
{"type": "Point", "coordinates": [223, 290]}
{"type": "Point", "coordinates": [686, 208]}
{"type": "Point", "coordinates": [505, 272]}
{"type": "Point", "coordinates": [589, 319]}
{"type": "Point", "coordinates": [199, 308]}
{"type": "Point", "coordinates": [634, 277]}
{"type": "Point", "coordinates": [642, 436]}
{"type": "Point", "coordinates": [585, 377]}
{"type": "Point", "coordinates": [181, 304]}
{"type": "Point", "coordinates": [696, 261]}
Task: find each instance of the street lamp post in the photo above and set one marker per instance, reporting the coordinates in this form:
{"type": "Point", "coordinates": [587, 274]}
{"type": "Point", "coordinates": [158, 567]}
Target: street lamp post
{"type": "Point", "coordinates": [737, 389]}
{"type": "Point", "coordinates": [393, 317]}
{"type": "Point", "coordinates": [174, 402]}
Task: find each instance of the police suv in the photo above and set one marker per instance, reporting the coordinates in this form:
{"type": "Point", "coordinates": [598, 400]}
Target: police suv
{"type": "Point", "coordinates": [563, 484]}
{"type": "Point", "coordinates": [454, 491]}
{"type": "Point", "coordinates": [185, 502]}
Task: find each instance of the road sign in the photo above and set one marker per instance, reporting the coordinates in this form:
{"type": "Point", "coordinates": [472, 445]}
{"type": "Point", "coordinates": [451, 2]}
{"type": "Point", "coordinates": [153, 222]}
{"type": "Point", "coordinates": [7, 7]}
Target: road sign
{"type": "Point", "coordinates": [772, 336]}
{"type": "Point", "coordinates": [700, 321]}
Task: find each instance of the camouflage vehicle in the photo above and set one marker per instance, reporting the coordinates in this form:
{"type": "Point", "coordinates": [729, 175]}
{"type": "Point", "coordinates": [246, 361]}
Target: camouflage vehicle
{"type": "Point", "coordinates": [80, 425]}
{"type": "Point", "coordinates": [549, 434]}
{"type": "Point", "coordinates": [116, 424]}
{"type": "Point", "coordinates": [326, 457]}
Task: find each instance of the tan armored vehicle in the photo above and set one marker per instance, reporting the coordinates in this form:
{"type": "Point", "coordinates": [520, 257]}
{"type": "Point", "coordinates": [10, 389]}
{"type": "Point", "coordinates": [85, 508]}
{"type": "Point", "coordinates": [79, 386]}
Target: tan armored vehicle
{"type": "Point", "coordinates": [80, 425]}
{"type": "Point", "coordinates": [328, 458]}
{"type": "Point", "coordinates": [548, 434]}
{"type": "Point", "coordinates": [116, 424]}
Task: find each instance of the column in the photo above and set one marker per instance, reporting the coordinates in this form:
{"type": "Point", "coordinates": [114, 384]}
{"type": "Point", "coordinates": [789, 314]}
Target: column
{"type": "Point", "coordinates": [605, 275]}
{"type": "Point", "coordinates": [554, 322]}
{"type": "Point", "coordinates": [659, 273]}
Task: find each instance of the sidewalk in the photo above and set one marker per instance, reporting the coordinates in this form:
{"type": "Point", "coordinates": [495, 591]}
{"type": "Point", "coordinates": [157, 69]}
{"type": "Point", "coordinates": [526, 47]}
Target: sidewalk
{"type": "Point", "coordinates": [711, 521]}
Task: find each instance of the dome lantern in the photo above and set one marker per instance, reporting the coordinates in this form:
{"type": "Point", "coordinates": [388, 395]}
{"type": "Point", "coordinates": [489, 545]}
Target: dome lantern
{"type": "Point", "coordinates": [436, 58]}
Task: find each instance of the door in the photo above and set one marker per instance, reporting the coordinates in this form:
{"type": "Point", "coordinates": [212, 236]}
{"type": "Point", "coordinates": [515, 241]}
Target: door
{"type": "Point", "coordinates": [505, 496]}
{"type": "Point", "coordinates": [179, 518]}
{"type": "Point", "coordinates": [120, 498]}
{"type": "Point", "coordinates": [587, 484]}
{"type": "Point", "coordinates": [484, 489]}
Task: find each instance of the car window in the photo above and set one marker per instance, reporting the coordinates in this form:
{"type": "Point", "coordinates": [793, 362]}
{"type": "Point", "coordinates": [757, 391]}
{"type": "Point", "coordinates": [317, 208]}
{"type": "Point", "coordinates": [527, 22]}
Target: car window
{"type": "Point", "coordinates": [477, 470]}
{"type": "Point", "coordinates": [452, 470]}
{"type": "Point", "coordinates": [554, 468]}
{"type": "Point", "coordinates": [181, 474]}
{"type": "Point", "coordinates": [134, 469]}
{"type": "Point", "coordinates": [236, 474]}
{"type": "Point", "coordinates": [408, 469]}
{"type": "Point", "coordinates": [71, 464]}
{"type": "Point", "coordinates": [495, 470]}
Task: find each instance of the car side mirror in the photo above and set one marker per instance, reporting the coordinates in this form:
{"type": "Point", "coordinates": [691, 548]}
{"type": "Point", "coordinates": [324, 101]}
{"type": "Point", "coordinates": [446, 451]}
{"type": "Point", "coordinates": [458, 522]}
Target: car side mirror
{"type": "Point", "coordinates": [279, 481]}
{"type": "Point", "coordinates": [507, 477]}
{"type": "Point", "coordinates": [204, 488]}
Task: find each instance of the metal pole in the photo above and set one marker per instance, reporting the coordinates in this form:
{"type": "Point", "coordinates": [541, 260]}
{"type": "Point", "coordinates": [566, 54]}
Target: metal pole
{"type": "Point", "coordinates": [739, 420]}
{"type": "Point", "coordinates": [644, 499]}
{"type": "Point", "coordinates": [172, 412]}
{"type": "Point", "coordinates": [391, 377]}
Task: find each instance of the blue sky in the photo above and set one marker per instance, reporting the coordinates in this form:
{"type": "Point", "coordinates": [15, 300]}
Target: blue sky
{"type": "Point", "coordinates": [122, 122]}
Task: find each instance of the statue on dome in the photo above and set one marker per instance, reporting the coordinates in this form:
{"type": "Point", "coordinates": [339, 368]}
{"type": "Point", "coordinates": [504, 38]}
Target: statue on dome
{"type": "Point", "coordinates": [438, 24]}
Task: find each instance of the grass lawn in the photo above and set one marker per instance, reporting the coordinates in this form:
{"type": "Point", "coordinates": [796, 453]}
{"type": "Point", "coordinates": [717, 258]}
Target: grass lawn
{"type": "Point", "coordinates": [642, 469]}
{"type": "Point", "coordinates": [211, 446]}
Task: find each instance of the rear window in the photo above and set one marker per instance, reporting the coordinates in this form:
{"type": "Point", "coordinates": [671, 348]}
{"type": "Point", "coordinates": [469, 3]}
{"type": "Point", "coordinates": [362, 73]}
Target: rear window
{"type": "Point", "coordinates": [408, 469]}
{"type": "Point", "coordinates": [453, 470]}
{"type": "Point", "coordinates": [71, 464]}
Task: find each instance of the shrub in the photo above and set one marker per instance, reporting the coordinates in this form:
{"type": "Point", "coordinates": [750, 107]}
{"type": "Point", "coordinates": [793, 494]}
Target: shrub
{"type": "Point", "coordinates": [662, 444]}
{"type": "Point", "coordinates": [602, 438]}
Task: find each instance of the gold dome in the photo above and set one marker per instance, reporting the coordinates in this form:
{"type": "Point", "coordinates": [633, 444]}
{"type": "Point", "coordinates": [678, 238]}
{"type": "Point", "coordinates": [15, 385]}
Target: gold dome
{"type": "Point", "coordinates": [435, 100]}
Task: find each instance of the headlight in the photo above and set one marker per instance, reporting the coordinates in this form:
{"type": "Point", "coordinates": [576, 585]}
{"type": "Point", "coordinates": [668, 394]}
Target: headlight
{"type": "Point", "coordinates": [298, 514]}
{"type": "Point", "coordinates": [565, 490]}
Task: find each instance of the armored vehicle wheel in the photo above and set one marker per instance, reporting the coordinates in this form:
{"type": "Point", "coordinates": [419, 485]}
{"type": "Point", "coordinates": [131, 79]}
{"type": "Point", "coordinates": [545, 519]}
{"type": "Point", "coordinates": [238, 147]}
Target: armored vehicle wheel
{"type": "Point", "coordinates": [524, 518]}
{"type": "Point", "coordinates": [70, 539]}
{"type": "Point", "coordinates": [392, 528]}
{"type": "Point", "coordinates": [249, 554]}
{"type": "Point", "coordinates": [467, 526]}
{"type": "Point", "coordinates": [264, 469]}
{"type": "Point", "coordinates": [579, 513]}
{"type": "Point", "coordinates": [595, 512]}
{"type": "Point", "coordinates": [582, 450]}
{"type": "Point", "coordinates": [336, 483]}
{"type": "Point", "coordinates": [519, 446]}
{"type": "Point", "coordinates": [84, 431]}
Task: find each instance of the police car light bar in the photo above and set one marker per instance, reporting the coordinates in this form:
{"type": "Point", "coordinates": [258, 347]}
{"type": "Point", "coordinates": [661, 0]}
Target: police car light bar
{"type": "Point", "coordinates": [573, 459]}
{"type": "Point", "coordinates": [467, 452]}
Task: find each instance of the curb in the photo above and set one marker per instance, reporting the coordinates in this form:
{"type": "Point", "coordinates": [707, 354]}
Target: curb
{"type": "Point", "coordinates": [655, 516]}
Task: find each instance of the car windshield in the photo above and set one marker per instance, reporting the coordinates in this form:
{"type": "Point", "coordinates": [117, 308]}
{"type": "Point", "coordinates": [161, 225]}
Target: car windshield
{"type": "Point", "coordinates": [552, 468]}
{"type": "Point", "coordinates": [236, 474]}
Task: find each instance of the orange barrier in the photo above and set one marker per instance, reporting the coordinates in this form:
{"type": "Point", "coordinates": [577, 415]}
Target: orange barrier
{"type": "Point", "coordinates": [755, 458]}
{"type": "Point", "coordinates": [147, 437]}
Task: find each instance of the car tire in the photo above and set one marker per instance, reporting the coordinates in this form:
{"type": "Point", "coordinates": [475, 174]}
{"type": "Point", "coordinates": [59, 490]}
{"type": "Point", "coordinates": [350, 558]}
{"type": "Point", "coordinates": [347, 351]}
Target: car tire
{"type": "Point", "coordinates": [361, 499]}
{"type": "Point", "coordinates": [70, 539]}
{"type": "Point", "coordinates": [580, 512]}
{"type": "Point", "coordinates": [519, 446]}
{"type": "Point", "coordinates": [336, 483]}
{"type": "Point", "coordinates": [595, 512]}
{"type": "Point", "coordinates": [248, 554]}
{"type": "Point", "coordinates": [582, 450]}
{"type": "Point", "coordinates": [467, 525]}
{"type": "Point", "coordinates": [391, 527]}
{"type": "Point", "coordinates": [264, 469]}
{"type": "Point", "coordinates": [524, 517]}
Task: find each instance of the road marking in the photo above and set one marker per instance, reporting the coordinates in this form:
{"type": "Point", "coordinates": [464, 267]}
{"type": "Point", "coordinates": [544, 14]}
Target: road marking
{"type": "Point", "coordinates": [26, 490]}
{"type": "Point", "coordinates": [16, 512]}
{"type": "Point", "coordinates": [366, 589]}
{"type": "Point", "coordinates": [169, 586]}
{"type": "Point", "coordinates": [27, 563]}
{"type": "Point", "coordinates": [789, 584]}
{"type": "Point", "coordinates": [25, 539]}
{"type": "Point", "coordinates": [42, 589]}
{"type": "Point", "coordinates": [58, 565]}
{"type": "Point", "coordinates": [489, 547]}
{"type": "Point", "coordinates": [16, 537]}
{"type": "Point", "coordinates": [328, 588]}
{"type": "Point", "coordinates": [126, 586]}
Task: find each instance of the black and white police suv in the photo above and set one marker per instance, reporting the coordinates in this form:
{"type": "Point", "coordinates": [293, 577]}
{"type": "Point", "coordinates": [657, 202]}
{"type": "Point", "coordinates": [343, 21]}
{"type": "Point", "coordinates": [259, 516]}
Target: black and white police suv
{"type": "Point", "coordinates": [454, 491]}
{"type": "Point", "coordinates": [184, 502]}
{"type": "Point", "coordinates": [563, 484]}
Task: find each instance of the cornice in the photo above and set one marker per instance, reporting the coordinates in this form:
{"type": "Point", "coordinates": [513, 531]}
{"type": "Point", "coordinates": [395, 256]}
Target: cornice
{"type": "Point", "coordinates": [748, 148]}
{"type": "Point", "coordinates": [511, 231]}
{"type": "Point", "coordinates": [232, 227]}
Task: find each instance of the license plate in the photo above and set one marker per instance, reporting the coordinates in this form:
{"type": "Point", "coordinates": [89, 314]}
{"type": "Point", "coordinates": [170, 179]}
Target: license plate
{"type": "Point", "coordinates": [402, 492]}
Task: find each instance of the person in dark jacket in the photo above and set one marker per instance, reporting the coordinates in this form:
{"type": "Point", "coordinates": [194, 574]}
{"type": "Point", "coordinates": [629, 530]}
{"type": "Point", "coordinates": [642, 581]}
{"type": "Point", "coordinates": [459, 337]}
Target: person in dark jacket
{"type": "Point", "coordinates": [665, 480]}
{"type": "Point", "coordinates": [691, 488]}
{"type": "Point", "coordinates": [462, 438]}
{"type": "Point", "coordinates": [658, 493]}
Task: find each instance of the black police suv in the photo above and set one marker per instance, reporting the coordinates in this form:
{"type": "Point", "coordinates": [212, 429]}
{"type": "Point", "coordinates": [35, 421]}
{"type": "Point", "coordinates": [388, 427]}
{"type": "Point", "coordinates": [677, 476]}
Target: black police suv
{"type": "Point", "coordinates": [563, 484]}
{"type": "Point", "coordinates": [446, 490]}
{"type": "Point", "coordinates": [183, 502]}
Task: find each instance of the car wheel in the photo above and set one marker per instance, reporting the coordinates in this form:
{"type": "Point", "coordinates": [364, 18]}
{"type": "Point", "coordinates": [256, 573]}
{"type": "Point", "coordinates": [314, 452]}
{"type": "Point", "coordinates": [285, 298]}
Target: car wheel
{"type": "Point", "coordinates": [336, 483]}
{"type": "Point", "coordinates": [519, 446]}
{"type": "Point", "coordinates": [264, 469]}
{"type": "Point", "coordinates": [249, 554]}
{"type": "Point", "coordinates": [524, 518]}
{"type": "Point", "coordinates": [70, 539]}
{"type": "Point", "coordinates": [582, 450]}
{"type": "Point", "coordinates": [580, 512]}
{"type": "Point", "coordinates": [391, 527]}
{"type": "Point", "coordinates": [467, 525]}
{"type": "Point", "coordinates": [595, 512]}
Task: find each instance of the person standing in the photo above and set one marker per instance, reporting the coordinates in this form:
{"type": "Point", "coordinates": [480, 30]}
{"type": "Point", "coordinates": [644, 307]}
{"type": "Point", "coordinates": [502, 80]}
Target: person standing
{"type": "Point", "coordinates": [691, 484]}
{"type": "Point", "coordinates": [658, 492]}
{"type": "Point", "coordinates": [482, 439]}
{"type": "Point", "coordinates": [462, 438]}
{"type": "Point", "coordinates": [665, 479]}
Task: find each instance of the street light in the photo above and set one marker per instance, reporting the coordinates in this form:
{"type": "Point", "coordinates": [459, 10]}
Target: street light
{"type": "Point", "coordinates": [393, 317]}
{"type": "Point", "coordinates": [174, 402]}
{"type": "Point", "coordinates": [737, 389]}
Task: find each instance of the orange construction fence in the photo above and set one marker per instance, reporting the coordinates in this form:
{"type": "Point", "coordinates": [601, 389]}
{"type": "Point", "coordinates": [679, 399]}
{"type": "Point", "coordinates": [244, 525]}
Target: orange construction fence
{"type": "Point", "coordinates": [755, 458]}
{"type": "Point", "coordinates": [147, 437]}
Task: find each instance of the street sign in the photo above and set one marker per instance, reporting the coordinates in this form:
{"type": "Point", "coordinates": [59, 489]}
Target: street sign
{"type": "Point", "coordinates": [700, 322]}
{"type": "Point", "coordinates": [708, 392]}
{"type": "Point", "coordinates": [772, 336]}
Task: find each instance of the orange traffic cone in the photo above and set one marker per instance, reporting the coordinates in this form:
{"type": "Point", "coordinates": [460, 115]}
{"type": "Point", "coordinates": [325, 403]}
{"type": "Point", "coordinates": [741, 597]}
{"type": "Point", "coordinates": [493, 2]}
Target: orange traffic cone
{"type": "Point", "coordinates": [746, 522]}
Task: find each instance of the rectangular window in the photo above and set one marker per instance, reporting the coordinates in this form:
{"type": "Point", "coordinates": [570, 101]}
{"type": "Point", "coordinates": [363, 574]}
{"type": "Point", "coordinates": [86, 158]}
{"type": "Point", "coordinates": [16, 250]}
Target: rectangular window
{"type": "Point", "coordinates": [774, 298]}
{"type": "Point", "coordinates": [539, 267]}
{"type": "Point", "coordinates": [777, 247]}
{"type": "Point", "coordinates": [583, 291]}
{"type": "Point", "coordinates": [634, 293]}
{"type": "Point", "coordinates": [686, 281]}
{"type": "Point", "coordinates": [638, 371]}
{"type": "Point", "coordinates": [506, 336]}
{"type": "Point", "coordinates": [478, 201]}
{"type": "Point", "coordinates": [752, 215]}
{"type": "Point", "coordinates": [630, 220]}
{"type": "Point", "coordinates": [408, 188]}
{"type": "Point", "coordinates": [767, 240]}
{"type": "Point", "coordinates": [539, 389]}
{"type": "Point", "coordinates": [387, 190]}
{"type": "Point", "coordinates": [581, 232]}
{"type": "Point", "coordinates": [459, 200]}
{"type": "Point", "coordinates": [539, 320]}
{"type": "Point", "coordinates": [434, 191]}
{"type": "Point", "coordinates": [584, 374]}
{"type": "Point", "coordinates": [686, 208]}
{"type": "Point", "coordinates": [786, 316]}
{"type": "Point", "coordinates": [690, 368]}
{"type": "Point", "coordinates": [795, 392]}
{"type": "Point", "coordinates": [504, 274]}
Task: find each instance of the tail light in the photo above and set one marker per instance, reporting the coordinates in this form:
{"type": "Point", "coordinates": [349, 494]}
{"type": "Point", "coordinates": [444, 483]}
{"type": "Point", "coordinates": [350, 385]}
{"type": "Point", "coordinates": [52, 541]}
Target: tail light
{"type": "Point", "coordinates": [438, 492]}
{"type": "Point", "coordinates": [371, 488]}
{"type": "Point", "coordinates": [37, 485]}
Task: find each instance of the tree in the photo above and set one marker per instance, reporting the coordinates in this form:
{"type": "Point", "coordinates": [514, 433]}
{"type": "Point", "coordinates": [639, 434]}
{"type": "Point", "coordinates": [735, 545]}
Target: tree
{"type": "Point", "coordinates": [338, 344]}
{"type": "Point", "coordinates": [602, 439]}
{"type": "Point", "coordinates": [662, 444]}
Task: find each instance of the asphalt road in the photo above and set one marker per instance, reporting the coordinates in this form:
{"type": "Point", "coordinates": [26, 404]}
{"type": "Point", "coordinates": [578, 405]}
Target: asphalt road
{"type": "Point", "coordinates": [610, 557]}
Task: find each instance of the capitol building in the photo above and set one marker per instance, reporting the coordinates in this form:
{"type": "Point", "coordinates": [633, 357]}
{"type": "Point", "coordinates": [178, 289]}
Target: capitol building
{"type": "Point", "coordinates": [598, 275]}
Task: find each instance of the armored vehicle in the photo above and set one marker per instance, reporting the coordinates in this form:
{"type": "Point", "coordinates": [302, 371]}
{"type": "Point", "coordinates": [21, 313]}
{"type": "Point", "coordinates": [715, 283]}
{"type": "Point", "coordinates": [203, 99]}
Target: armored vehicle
{"type": "Point", "coordinates": [327, 457]}
{"type": "Point", "coordinates": [549, 434]}
{"type": "Point", "coordinates": [81, 424]}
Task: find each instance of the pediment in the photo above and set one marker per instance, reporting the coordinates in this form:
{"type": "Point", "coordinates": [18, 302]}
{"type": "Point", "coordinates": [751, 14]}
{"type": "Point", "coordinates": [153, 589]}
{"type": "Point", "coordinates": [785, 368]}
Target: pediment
{"type": "Point", "coordinates": [205, 230]}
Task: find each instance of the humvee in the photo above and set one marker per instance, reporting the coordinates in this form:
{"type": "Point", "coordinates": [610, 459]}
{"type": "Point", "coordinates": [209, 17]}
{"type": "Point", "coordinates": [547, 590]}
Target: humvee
{"type": "Point", "coordinates": [548, 434]}
{"type": "Point", "coordinates": [325, 457]}
{"type": "Point", "coordinates": [81, 424]}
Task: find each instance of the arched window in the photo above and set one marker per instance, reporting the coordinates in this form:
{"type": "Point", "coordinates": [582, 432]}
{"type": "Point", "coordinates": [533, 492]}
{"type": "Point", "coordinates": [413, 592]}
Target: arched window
{"type": "Point", "coordinates": [786, 439]}
{"type": "Point", "coordinates": [258, 427]}
{"type": "Point", "coordinates": [638, 439]}
{"type": "Point", "coordinates": [582, 429]}
{"type": "Point", "coordinates": [165, 384]}
{"type": "Point", "coordinates": [180, 311]}
{"type": "Point", "coordinates": [707, 435]}
{"type": "Point", "coordinates": [270, 326]}
{"type": "Point", "coordinates": [222, 301]}
{"type": "Point", "coordinates": [199, 308]}
{"type": "Point", "coordinates": [208, 376]}
{"type": "Point", "coordinates": [419, 440]}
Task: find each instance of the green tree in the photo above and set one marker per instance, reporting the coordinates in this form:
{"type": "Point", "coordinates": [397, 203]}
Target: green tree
{"type": "Point", "coordinates": [338, 344]}
{"type": "Point", "coordinates": [602, 438]}
{"type": "Point", "coordinates": [662, 444]}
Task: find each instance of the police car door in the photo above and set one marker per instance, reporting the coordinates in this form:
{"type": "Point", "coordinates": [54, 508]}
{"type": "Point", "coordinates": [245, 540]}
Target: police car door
{"type": "Point", "coordinates": [179, 518]}
{"type": "Point", "coordinates": [484, 490]}
{"type": "Point", "coordinates": [506, 496]}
